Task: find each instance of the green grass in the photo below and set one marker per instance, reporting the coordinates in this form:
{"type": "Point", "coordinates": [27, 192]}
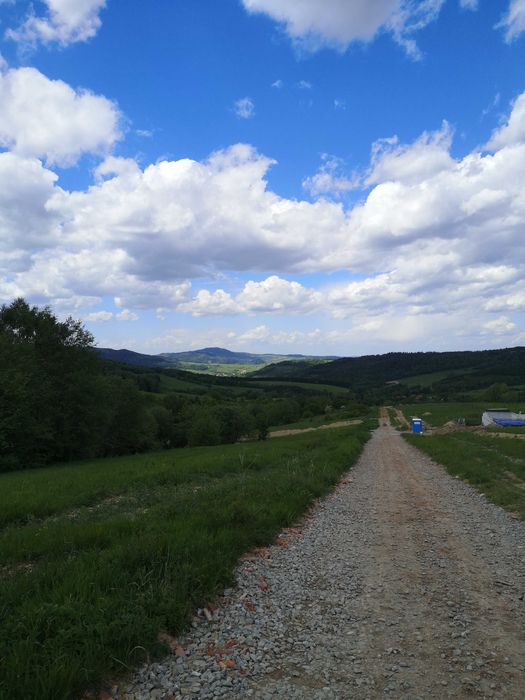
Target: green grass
{"type": "Point", "coordinates": [509, 430]}
{"type": "Point", "coordinates": [436, 414]}
{"type": "Point", "coordinates": [97, 557]}
{"type": "Point", "coordinates": [494, 466]}
{"type": "Point", "coordinates": [316, 421]}
{"type": "Point", "coordinates": [226, 370]}
{"type": "Point", "coordinates": [330, 388]}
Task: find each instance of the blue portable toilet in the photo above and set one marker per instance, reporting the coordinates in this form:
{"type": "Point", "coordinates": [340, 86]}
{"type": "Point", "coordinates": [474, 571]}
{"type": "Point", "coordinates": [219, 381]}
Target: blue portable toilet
{"type": "Point", "coordinates": [417, 425]}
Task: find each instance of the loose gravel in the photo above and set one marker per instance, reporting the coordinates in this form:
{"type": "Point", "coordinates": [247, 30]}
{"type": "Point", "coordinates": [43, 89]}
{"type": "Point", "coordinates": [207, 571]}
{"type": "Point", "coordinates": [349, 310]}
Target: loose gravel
{"type": "Point", "coordinates": [404, 583]}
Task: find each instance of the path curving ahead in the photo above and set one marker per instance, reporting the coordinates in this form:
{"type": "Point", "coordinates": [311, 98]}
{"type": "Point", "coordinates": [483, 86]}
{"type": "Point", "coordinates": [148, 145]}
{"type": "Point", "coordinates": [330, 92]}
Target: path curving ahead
{"type": "Point", "coordinates": [404, 583]}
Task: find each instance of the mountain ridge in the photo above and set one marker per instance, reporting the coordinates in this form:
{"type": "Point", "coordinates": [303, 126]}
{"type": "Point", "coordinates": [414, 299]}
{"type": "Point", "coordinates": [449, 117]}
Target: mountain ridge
{"type": "Point", "coordinates": [205, 356]}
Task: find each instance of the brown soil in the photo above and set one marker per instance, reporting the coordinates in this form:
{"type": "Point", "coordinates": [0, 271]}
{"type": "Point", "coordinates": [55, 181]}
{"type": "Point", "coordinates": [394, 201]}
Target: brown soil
{"type": "Point", "coordinates": [296, 431]}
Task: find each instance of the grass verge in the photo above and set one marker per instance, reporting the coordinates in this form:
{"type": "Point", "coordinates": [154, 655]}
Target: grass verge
{"type": "Point", "coordinates": [437, 414]}
{"type": "Point", "coordinates": [494, 467]}
{"type": "Point", "coordinates": [99, 557]}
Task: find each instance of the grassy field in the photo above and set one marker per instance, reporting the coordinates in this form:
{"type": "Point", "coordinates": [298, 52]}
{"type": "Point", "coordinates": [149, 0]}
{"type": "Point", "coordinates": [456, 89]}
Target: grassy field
{"type": "Point", "coordinates": [507, 430]}
{"type": "Point", "coordinates": [315, 421]}
{"type": "Point", "coordinates": [223, 370]}
{"type": "Point", "coordinates": [494, 466]}
{"type": "Point", "coordinates": [97, 557]}
{"type": "Point", "coordinates": [329, 388]}
{"type": "Point", "coordinates": [437, 414]}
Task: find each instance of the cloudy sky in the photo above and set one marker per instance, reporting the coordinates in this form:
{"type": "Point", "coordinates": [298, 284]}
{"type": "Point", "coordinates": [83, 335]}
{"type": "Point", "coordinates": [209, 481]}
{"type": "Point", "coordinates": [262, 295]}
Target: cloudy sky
{"type": "Point", "coordinates": [342, 177]}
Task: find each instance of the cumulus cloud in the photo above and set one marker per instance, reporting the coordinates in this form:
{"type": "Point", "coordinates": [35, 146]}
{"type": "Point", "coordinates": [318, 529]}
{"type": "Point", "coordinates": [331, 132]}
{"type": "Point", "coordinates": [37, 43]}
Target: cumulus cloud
{"type": "Point", "coordinates": [66, 22]}
{"type": "Point", "coordinates": [208, 303]}
{"type": "Point", "coordinates": [499, 326]}
{"type": "Point", "coordinates": [338, 23]}
{"type": "Point", "coordinates": [272, 295]}
{"type": "Point", "coordinates": [27, 220]}
{"type": "Point", "coordinates": [254, 334]}
{"type": "Point", "coordinates": [98, 317]}
{"type": "Point", "coordinates": [276, 294]}
{"type": "Point", "coordinates": [513, 129]}
{"type": "Point", "coordinates": [126, 315]}
{"type": "Point", "coordinates": [245, 108]}
{"type": "Point", "coordinates": [413, 163]}
{"type": "Point", "coordinates": [47, 119]}
{"type": "Point", "coordinates": [330, 179]}
{"type": "Point", "coordinates": [432, 237]}
{"type": "Point", "coordinates": [514, 21]}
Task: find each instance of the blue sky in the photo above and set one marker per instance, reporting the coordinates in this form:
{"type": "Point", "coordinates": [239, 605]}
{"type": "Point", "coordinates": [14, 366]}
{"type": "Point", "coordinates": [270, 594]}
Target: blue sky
{"type": "Point", "coordinates": [341, 177]}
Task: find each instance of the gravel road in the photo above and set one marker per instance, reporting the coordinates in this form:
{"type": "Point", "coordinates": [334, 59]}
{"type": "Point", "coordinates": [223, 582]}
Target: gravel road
{"type": "Point", "coordinates": [404, 583]}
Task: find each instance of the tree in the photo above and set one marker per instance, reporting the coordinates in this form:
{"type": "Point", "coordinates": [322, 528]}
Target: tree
{"type": "Point", "coordinates": [50, 394]}
{"type": "Point", "coordinates": [204, 428]}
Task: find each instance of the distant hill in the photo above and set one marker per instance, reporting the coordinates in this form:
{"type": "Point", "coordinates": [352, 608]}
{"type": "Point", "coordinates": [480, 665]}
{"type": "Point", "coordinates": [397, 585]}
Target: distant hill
{"type": "Point", "coordinates": [133, 358]}
{"type": "Point", "coordinates": [211, 360]}
{"type": "Point", "coordinates": [221, 356]}
{"type": "Point", "coordinates": [507, 365]}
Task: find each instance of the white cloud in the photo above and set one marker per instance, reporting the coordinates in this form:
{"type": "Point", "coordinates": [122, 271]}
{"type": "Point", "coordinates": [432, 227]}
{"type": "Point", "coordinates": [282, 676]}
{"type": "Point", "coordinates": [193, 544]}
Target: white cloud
{"type": "Point", "coordinates": [514, 21]}
{"type": "Point", "coordinates": [245, 108]}
{"type": "Point", "coordinates": [304, 85]}
{"type": "Point", "coordinates": [98, 316]}
{"type": "Point", "coordinates": [337, 23]}
{"type": "Point", "coordinates": [513, 300]}
{"type": "Point", "coordinates": [27, 220]}
{"type": "Point", "coordinates": [469, 4]}
{"type": "Point", "coordinates": [260, 333]}
{"type": "Point", "coordinates": [427, 156]}
{"type": "Point", "coordinates": [499, 326]}
{"type": "Point", "coordinates": [513, 129]}
{"type": "Point", "coordinates": [433, 236]}
{"type": "Point", "coordinates": [272, 295]}
{"type": "Point", "coordinates": [67, 22]}
{"type": "Point", "coordinates": [276, 294]}
{"type": "Point", "coordinates": [208, 303]}
{"type": "Point", "coordinates": [126, 315]}
{"type": "Point", "coordinates": [278, 84]}
{"type": "Point", "coordinates": [47, 119]}
{"type": "Point", "coordinates": [330, 179]}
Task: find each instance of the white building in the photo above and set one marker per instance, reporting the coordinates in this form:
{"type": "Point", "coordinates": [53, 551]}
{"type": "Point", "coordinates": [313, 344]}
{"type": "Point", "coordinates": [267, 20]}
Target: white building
{"type": "Point", "coordinates": [503, 417]}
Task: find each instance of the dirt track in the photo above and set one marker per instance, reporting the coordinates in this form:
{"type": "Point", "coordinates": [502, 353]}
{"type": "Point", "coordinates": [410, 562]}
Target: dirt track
{"type": "Point", "coordinates": [327, 426]}
{"type": "Point", "coordinates": [404, 584]}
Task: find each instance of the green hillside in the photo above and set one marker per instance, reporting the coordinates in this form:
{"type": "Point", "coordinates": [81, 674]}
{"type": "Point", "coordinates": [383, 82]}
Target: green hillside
{"type": "Point", "coordinates": [217, 361]}
{"type": "Point", "coordinates": [441, 374]}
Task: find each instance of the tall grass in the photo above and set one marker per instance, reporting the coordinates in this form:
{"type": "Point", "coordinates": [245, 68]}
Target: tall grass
{"type": "Point", "coordinates": [134, 544]}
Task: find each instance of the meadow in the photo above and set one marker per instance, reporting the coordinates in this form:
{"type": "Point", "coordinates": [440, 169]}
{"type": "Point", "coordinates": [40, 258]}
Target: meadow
{"type": "Point", "coordinates": [495, 466]}
{"type": "Point", "coordinates": [437, 414]}
{"type": "Point", "coordinates": [98, 557]}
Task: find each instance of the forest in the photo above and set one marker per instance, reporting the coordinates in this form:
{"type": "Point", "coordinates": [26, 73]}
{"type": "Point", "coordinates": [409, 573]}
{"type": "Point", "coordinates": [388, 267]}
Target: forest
{"type": "Point", "coordinates": [59, 401]}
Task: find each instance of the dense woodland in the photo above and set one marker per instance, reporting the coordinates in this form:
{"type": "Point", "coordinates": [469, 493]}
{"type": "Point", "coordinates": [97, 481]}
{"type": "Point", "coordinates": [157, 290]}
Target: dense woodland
{"type": "Point", "coordinates": [497, 375]}
{"type": "Point", "coordinates": [60, 401]}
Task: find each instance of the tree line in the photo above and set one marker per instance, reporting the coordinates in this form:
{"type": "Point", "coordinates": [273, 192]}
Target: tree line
{"type": "Point", "coordinates": [59, 401]}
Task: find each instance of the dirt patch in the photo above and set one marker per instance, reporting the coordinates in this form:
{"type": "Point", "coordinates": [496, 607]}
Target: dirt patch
{"type": "Point", "coordinates": [500, 435]}
{"type": "Point", "coordinates": [515, 480]}
{"type": "Point", "coordinates": [297, 431]}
